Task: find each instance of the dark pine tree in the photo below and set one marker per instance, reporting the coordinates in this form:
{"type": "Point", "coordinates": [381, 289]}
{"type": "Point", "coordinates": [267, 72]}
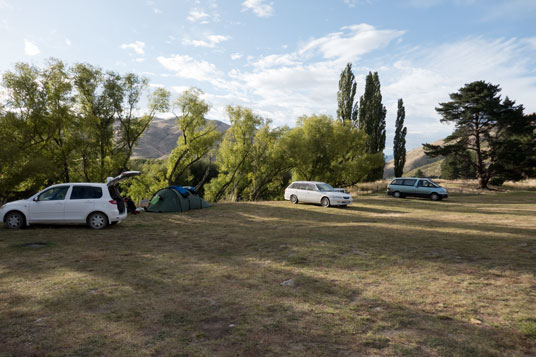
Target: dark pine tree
{"type": "Point", "coordinates": [347, 110]}
{"type": "Point", "coordinates": [458, 166]}
{"type": "Point", "coordinates": [485, 126]}
{"type": "Point", "coordinates": [399, 143]}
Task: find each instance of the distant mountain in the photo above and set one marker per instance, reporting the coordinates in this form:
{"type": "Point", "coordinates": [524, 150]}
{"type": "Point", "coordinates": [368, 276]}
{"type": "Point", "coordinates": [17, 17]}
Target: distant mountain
{"type": "Point", "coordinates": [414, 159]}
{"type": "Point", "coordinates": [161, 138]}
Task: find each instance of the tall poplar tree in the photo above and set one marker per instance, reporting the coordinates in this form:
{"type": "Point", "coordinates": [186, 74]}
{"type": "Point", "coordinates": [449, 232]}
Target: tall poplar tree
{"type": "Point", "coordinates": [347, 110]}
{"type": "Point", "coordinates": [399, 143]}
{"type": "Point", "coordinates": [372, 120]}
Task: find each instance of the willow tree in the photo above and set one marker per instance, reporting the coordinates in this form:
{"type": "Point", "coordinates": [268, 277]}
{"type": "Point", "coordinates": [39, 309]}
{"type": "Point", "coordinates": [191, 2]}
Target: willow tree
{"type": "Point", "coordinates": [325, 149]}
{"type": "Point", "coordinates": [198, 136]}
{"type": "Point", "coordinates": [233, 155]}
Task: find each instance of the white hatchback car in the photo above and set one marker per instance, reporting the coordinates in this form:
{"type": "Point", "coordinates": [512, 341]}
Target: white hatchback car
{"type": "Point", "coordinates": [96, 204]}
{"type": "Point", "coordinates": [317, 192]}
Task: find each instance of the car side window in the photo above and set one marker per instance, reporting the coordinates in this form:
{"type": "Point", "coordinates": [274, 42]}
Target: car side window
{"type": "Point", "coordinates": [86, 192]}
{"type": "Point", "coordinates": [409, 182]}
{"type": "Point", "coordinates": [397, 182]}
{"type": "Point", "coordinates": [54, 194]}
{"type": "Point", "coordinates": [310, 187]}
{"type": "Point", "coordinates": [422, 183]}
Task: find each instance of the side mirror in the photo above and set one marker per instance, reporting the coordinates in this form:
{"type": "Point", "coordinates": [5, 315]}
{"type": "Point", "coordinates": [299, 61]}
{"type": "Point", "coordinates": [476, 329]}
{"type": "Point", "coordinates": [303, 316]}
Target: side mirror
{"type": "Point", "coordinates": [36, 198]}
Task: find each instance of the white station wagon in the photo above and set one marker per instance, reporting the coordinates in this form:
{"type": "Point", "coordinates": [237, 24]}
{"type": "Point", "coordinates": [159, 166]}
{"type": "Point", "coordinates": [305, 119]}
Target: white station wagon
{"type": "Point", "coordinates": [317, 192]}
{"type": "Point", "coordinates": [95, 204]}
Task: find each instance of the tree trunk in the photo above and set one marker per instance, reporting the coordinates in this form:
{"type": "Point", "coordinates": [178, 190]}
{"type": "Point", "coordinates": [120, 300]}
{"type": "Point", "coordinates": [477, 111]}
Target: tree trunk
{"type": "Point", "coordinates": [482, 182]}
{"type": "Point", "coordinates": [205, 176]}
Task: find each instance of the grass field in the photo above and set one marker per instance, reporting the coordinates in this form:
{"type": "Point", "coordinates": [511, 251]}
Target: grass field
{"type": "Point", "coordinates": [406, 277]}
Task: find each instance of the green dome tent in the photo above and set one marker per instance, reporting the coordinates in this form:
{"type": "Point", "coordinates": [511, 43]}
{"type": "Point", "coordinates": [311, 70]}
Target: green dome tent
{"type": "Point", "coordinates": [176, 199]}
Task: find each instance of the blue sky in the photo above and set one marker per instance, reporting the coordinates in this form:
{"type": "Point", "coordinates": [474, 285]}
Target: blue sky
{"type": "Point", "coordinates": [283, 58]}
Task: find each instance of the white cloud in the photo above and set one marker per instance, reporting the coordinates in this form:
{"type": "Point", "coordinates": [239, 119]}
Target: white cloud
{"type": "Point", "coordinates": [210, 41]}
{"type": "Point", "coordinates": [259, 7]}
{"type": "Point", "coordinates": [286, 85]}
{"type": "Point", "coordinates": [187, 67]}
{"type": "Point", "coordinates": [236, 56]}
{"type": "Point", "coordinates": [196, 15]}
{"type": "Point", "coordinates": [424, 78]}
{"type": "Point", "coordinates": [68, 42]}
{"type": "Point", "coordinates": [270, 61]}
{"type": "Point", "coordinates": [351, 42]}
{"type": "Point", "coordinates": [30, 48]}
{"type": "Point", "coordinates": [137, 47]}
{"type": "Point", "coordinates": [353, 3]}
{"type": "Point", "coordinates": [180, 89]}
{"type": "Point", "coordinates": [510, 9]}
{"type": "Point", "coordinates": [5, 4]}
{"type": "Point", "coordinates": [531, 42]}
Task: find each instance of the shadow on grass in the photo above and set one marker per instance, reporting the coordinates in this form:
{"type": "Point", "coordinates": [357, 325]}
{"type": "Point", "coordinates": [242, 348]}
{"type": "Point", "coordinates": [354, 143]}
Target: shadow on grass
{"type": "Point", "coordinates": [233, 306]}
{"type": "Point", "coordinates": [209, 283]}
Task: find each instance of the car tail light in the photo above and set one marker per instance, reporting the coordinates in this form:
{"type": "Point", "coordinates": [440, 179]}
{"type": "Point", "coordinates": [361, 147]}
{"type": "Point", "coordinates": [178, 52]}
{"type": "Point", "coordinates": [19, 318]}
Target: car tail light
{"type": "Point", "coordinates": [388, 189]}
{"type": "Point", "coordinates": [113, 202]}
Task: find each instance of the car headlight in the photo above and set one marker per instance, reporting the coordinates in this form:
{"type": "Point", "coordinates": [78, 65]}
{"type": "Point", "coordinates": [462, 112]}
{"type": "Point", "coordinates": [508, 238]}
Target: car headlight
{"type": "Point", "coordinates": [2, 206]}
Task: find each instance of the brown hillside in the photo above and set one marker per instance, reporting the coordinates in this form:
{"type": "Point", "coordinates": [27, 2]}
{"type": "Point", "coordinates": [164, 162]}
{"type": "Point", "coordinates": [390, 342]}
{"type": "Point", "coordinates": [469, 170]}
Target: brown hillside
{"type": "Point", "coordinates": [414, 158]}
{"type": "Point", "coordinates": [161, 138]}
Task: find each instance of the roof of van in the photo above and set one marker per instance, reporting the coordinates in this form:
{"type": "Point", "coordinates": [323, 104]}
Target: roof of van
{"type": "Point", "coordinates": [308, 182]}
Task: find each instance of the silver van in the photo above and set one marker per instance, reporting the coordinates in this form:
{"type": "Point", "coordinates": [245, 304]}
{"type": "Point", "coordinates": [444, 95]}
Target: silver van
{"type": "Point", "coordinates": [417, 187]}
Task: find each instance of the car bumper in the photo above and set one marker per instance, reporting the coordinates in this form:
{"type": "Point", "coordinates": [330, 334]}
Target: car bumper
{"type": "Point", "coordinates": [117, 217]}
{"type": "Point", "coordinates": [338, 202]}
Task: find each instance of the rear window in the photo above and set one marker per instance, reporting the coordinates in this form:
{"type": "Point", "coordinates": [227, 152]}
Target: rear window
{"type": "Point", "coordinates": [397, 182]}
{"type": "Point", "coordinates": [409, 182]}
{"type": "Point", "coordinates": [86, 192]}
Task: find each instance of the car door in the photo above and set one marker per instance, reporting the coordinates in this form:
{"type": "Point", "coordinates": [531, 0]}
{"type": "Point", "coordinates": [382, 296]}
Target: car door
{"type": "Point", "coordinates": [313, 195]}
{"type": "Point", "coordinates": [49, 205]}
{"type": "Point", "coordinates": [110, 181]}
{"type": "Point", "coordinates": [81, 202]}
{"type": "Point", "coordinates": [300, 192]}
{"type": "Point", "coordinates": [409, 187]}
{"type": "Point", "coordinates": [422, 189]}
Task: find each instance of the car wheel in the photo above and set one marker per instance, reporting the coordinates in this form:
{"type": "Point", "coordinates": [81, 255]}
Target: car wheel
{"type": "Point", "coordinates": [293, 199]}
{"type": "Point", "coordinates": [14, 220]}
{"type": "Point", "coordinates": [97, 220]}
{"type": "Point", "coordinates": [434, 196]}
{"type": "Point", "coordinates": [324, 202]}
{"type": "Point", "coordinates": [397, 194]}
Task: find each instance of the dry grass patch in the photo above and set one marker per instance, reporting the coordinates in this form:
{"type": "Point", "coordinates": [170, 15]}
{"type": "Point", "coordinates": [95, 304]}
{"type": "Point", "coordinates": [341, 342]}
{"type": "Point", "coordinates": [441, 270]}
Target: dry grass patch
{"type": "Point", "coordinates": [383, 277]}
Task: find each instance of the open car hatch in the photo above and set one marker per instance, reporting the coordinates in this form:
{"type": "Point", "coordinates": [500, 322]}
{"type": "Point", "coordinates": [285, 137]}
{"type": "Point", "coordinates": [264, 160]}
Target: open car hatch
{"type": "Point", "coordinates": [124, 175]}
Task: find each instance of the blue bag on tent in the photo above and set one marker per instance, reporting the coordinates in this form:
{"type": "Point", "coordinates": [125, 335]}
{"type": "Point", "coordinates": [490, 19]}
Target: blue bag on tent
{"type": "Point", "coordinates": [184, 192]}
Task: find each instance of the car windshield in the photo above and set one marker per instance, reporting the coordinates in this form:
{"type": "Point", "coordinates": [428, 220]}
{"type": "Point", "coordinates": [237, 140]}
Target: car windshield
{"type": "Point", "coordinates": [324, 187]}
{"type": "Point", "coordinates": [434, 183]}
